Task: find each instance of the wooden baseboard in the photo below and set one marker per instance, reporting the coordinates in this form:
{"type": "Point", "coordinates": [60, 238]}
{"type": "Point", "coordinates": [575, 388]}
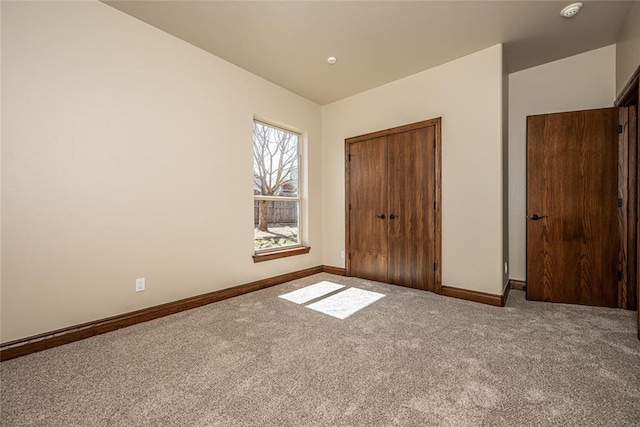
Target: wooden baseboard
{"type": "Point", "coordinates": [334, 270]}
{"type": "Point", "coordinates": [475, 296]}
{"type": "Point", "coordinates": [518, 285]}
{"type": "Point", "coordinates": [24, 346]}
{"type": "Point", "coordinates": [63, 336]}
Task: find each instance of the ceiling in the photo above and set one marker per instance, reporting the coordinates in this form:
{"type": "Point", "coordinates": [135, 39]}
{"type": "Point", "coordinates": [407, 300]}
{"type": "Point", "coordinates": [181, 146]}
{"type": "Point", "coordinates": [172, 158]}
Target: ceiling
{"type": "Point", "coordinates": [376, 42]}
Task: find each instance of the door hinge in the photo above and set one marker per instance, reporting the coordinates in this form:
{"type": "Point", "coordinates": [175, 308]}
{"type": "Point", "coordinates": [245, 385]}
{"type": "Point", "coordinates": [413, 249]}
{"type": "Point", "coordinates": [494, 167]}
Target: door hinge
{"type": "Point", "coordinates": [620, 203]}
{"type": "Point", "coordinates": [620, 129]}
{"type": "Point", "coordinates": [619, 276]}
{"type": "Point", "coordinates": [434, 205]}
{"type": "Point", "coordinates": [434, 266]}
{"type": "Point", "coordinates": [349, 157]}
{"type": "Point", "coordinates": [349, 206]}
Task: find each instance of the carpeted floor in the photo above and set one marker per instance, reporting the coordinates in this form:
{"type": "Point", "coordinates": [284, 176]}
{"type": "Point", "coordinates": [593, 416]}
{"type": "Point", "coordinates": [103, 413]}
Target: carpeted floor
{"type": "Point", "coordinates": [411, 358]}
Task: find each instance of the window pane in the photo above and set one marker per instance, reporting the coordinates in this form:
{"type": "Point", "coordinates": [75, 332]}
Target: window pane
{"type": "Point", "coordinates": [275, 224]}
{"type": "Point", "coordinates": [275, 161]}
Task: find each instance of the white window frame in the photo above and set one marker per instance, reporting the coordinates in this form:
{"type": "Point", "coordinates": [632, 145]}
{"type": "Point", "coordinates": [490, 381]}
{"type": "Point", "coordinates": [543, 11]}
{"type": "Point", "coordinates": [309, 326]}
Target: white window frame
{"type": "Point", "coordinates": [300, 189]}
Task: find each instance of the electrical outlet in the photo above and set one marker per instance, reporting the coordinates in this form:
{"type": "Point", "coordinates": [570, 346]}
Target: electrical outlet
{"type": "Point", "coordinates": [342, 254]}
{"type": "Point", "coordinates": [140, 286]}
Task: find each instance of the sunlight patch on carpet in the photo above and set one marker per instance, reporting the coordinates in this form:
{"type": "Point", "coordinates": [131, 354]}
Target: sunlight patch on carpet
{"type": "Point", "coordinates": [345, 303]}
{"type": "Point", "coordinates": [311, 292]}
{"type": "Point", "coordinates": [340, 305]}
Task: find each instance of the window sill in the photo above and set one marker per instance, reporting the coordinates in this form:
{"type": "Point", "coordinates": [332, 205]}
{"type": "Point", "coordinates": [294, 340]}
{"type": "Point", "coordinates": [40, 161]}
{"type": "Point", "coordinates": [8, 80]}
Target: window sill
{"type": "Point", "coordinates": [280, 253]}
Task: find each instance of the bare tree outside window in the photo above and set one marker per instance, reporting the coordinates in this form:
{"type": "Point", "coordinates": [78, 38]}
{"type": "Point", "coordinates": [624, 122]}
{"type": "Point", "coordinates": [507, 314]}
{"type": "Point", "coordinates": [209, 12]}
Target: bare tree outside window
{"type": "Point", "coordinates": [275, 184]}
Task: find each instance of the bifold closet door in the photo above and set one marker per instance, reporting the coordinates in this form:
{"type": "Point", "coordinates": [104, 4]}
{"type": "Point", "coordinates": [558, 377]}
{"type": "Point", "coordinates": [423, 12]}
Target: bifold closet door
{"type": "Point", "coordinates": [368, 209]}
{"type": "Point", "coordinates": [392, 194]}
{"type": "Point", "coordinates": [411, 192]}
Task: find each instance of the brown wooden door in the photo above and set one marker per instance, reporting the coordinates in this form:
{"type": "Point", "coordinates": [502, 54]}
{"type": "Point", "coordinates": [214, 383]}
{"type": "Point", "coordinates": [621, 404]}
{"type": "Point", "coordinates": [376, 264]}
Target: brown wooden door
{"type": "Point", "coordinates": [367, 209]}
{"type": "Point", "coordinates": [393, 227]}
{"type": "Point", "coordinates": [411, 172]}
{"type": "Point", "coordinates": [572, 224]}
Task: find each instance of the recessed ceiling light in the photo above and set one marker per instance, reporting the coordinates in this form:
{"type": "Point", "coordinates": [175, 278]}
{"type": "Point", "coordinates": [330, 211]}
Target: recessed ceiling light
{"type": "Point", "coordinates": [331, 60]}
{"type": "Point", "coordinates": [571, 10]}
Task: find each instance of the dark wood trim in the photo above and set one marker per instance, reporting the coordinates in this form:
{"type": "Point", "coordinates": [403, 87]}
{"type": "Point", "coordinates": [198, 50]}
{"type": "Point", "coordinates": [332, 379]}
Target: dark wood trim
{"type": "Point", "coordinates": [632, 205]}
{"type": "Point", "coordinates": [334, 270]}
{"type": "Point", "coordinates": [505, 294]}
{"type": "Point", "coordinates": [438, 199]}
{"type": "Point", "coordinates": [24, 346]}
{"type": "Point", "coordinates": [437, 124]}
{"type": "Point", "coordinates": [280, 253]}
{"type": "Point", "coordinates": [519, 285]}
{"type": "Point", "coordinates": [629, 94]}
{"type": "Point", "coordinates": [347, 214]}
{"type": "Point", "coordinates": [475, 296]}
{"type": "Point", "coordinates": [397, 129]}
{"type": "Point", "coordinates": [623, 220]}
{"type": "Point", "coordinates": [627, 212]}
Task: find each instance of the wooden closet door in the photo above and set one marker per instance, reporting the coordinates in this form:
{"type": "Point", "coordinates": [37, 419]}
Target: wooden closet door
{"type": "Point", "coordinates": [367, 186]}
{"type": "Point", "coordinates": [411, 187]}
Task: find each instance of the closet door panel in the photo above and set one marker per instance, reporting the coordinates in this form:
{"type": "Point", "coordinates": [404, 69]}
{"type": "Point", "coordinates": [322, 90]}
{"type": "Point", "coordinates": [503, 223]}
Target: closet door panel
{"type": "Point", "coordinates": [411, 192]}
{"type": "Point", "coordinates": [368, 209]}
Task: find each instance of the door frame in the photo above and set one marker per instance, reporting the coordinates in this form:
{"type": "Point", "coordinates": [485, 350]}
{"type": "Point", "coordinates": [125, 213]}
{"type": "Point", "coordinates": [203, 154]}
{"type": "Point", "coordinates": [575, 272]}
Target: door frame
{"type": "Point", "coordinates": [437, 124]}
{"type": "Point", "coordinates": [628, 96]}
{"type": "Point", "coordinates": [627, 206]}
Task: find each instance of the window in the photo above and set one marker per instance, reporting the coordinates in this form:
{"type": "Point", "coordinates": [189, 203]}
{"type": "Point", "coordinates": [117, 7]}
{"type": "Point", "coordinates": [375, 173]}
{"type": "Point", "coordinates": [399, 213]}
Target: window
{"type": "Point", "coordinates": [276, 188]}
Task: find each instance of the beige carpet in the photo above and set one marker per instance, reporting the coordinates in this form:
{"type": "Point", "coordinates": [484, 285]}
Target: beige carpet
{"type": "Point", "coordinates": [412, 358]}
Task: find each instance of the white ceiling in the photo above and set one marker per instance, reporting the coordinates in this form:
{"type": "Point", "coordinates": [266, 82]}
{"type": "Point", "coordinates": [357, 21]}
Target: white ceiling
{"type": "Point", "coordinates": [376, 42]}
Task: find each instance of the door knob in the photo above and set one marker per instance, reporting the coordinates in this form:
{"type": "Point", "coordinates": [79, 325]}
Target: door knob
{"type": "Point", "coordinates": [536, 217]}
{"type": "Point", "coordinates": [381, 216]}
{"type": "Point", "coordinates": [392, 216]}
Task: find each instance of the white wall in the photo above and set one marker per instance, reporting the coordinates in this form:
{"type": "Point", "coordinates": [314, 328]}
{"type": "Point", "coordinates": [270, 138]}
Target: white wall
{"type": "Point", "coordinates": [0, 184]}
{"type": "Point", "coordinates": [579, 82]}
{"type": "Point", "coordinates": [505, 173]}
{"type": "Point", "coordinates": [127, 153]}
{"type": "Point", "coordinates": [628, 47]}
{"type": "Point", "coordinates": [467, 94]}
{"type": "Point", "coordinates": [124, 151]}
